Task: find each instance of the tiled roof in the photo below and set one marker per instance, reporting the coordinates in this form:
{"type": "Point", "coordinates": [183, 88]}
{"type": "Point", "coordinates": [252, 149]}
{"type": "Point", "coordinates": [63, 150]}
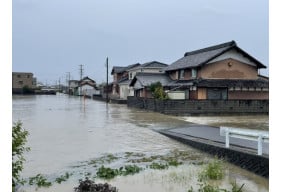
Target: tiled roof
{"type": "Point", "coordinates": [153, 64]}
{"type": "Point", "coordinates": [117, 69]}
{"type": "Point", "coordinates": [124, 80]}
{"type": "Point", "coordinates": [146, 79]}
{"type": "Point", "coordinates": [87, 78]}
{"type": "Point", "coordinates": [120, 69]}
{"type": "Point", "coordinates": [260, 83]}
{"type": "Point", "coordinates": [202, 56]}
{"type": "Point", "coordinates": [178, 83]}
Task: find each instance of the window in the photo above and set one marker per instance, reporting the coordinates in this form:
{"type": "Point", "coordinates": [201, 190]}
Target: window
{"type": "Point", "coordinates": [130, 75]}
{"type": "Point", "coordinates": [194, 73]}
{"type": "Point", "coordinates": [182, 72]}
{"type": "Point", "coordinates": [217, 93]}
{"type": "Point", "coordinates": [20, 82]}
{"type": "Point", "coordinates": [19, 76]}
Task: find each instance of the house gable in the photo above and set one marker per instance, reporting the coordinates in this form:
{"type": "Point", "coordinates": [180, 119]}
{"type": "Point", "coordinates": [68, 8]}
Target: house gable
{"type": "Point", "coordinates": [234, 54]}
{"type": "Point", "coordinates": [228, 69]}
{"type": "Point", "coordinates": [207, 55]}
{"type": "Point", "coordinates": [149, 67]}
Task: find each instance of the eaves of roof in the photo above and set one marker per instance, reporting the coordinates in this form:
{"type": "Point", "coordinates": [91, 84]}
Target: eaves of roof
{"type": "Point", "coordinates": [146, 79]}
{"type": "Point", "coordinates": [260, 83]}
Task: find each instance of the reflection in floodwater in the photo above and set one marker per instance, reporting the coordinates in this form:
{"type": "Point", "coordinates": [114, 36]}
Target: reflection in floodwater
{"type": "Point", "coordinates": [65, 131]}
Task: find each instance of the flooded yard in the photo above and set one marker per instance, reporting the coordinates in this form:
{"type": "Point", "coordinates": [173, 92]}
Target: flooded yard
{"type": "Point", "coordinates": [70, 135]}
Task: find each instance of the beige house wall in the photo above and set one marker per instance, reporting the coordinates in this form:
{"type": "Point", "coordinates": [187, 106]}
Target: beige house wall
{"type": "Point", "coordinates": [19, 80]}
{"type": "Point", "coordinates": [228, 69]}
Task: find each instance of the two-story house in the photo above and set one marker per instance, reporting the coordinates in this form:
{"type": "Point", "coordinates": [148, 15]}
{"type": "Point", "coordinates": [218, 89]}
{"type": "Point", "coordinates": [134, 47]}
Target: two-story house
{"type": "Point", "coordinates": [223, 71]}
{"type": "Point", "coordinates": [23, 82]}
{"type": "Point", "coordinates": [122, 85]}
{"type": "Point", "coordinates": [120, 74]}
{"type": "Point", "coordinates": [85, 86]}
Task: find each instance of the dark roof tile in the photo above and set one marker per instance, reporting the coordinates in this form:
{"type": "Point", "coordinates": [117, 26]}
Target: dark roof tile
{"type": "Point", "coordinates": [202, 56]}
{"type": "Point", "coordinates": [147, 79]}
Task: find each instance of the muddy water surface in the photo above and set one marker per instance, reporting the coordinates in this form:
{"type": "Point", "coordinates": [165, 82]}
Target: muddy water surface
{"type": "Point", "coordinates": [66, 133]}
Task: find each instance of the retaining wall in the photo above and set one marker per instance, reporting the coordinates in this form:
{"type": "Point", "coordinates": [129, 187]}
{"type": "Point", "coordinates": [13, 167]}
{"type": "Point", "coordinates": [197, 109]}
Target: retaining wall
{"type": "Point", "coordinates": [254, 163]}
{"type": "Point", "coordinates": [198, 107]}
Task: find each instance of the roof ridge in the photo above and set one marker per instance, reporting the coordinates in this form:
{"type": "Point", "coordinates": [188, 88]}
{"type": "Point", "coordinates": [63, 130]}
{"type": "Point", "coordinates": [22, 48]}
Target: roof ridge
{"type": "Point", "coordinates": [227, 44]}
{"type": "Point", "coordinates": [149, 73]}
{"type": "Point", "coordinates": [150, 62]}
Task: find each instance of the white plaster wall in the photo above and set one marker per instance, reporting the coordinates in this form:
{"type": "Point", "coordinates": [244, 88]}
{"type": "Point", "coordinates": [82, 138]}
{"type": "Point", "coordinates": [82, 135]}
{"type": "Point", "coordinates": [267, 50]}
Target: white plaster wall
{"type": "Point", "coordinates": [234, 55]}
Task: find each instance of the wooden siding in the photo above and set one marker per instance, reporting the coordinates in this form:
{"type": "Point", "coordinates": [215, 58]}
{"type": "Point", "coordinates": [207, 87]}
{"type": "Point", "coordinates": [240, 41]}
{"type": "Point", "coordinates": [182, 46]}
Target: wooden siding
{"type": "Point", "coordinates": [202, 93]}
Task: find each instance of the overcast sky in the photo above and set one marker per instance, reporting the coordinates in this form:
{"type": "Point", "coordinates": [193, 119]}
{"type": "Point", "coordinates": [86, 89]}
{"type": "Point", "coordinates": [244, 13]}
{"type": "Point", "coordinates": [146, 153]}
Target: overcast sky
{"type": "Point", "coordinates": [53, 37]}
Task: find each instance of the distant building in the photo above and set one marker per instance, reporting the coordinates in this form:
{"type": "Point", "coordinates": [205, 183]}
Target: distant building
{"type": "Point", "coordinates": [124, 75]}
{"type": "Point", "coordinates": [120, 74]}
{"type": "Point", "coordinates": [85, 86]}
{"type": "Point", "coordinates": [23, 82]}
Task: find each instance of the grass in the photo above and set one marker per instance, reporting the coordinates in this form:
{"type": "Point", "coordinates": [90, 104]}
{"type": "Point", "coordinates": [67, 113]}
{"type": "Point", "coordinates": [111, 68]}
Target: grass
{"type": "Point", "coordinates": [214, 170]}
{"type": "Point", "coordinates": [40, 181]}
{"type": "Point", "coordinates": [63, 178]}
{"type": "Point", "coordinates": [109, 173]}
{"type": "Point", "coordinates": [155, 165]}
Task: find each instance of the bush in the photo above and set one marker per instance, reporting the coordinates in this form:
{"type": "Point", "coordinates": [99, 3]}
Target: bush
{"type": "Point", "coordinates": [40, 181]}
{"type": "Point", "coordinates": [213, 170]}
{"type": "Point", "coordinates": [157, 91]}
{"type": "Point", "coordinates": [19, 139]}
{"type": "Point", "coordinates": [90, 186]}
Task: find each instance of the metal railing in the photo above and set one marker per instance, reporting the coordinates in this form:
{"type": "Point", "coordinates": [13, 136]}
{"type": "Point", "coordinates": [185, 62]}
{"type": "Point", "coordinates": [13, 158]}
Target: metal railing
{"type": "Point", "coordinates": [248, 134]}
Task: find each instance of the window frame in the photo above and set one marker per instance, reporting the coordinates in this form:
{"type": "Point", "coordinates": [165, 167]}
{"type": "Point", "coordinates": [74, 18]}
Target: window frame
{"type": "Point", "coordinates": [181, 74]}
{"type": "Point", "coordinates": [194, 72]}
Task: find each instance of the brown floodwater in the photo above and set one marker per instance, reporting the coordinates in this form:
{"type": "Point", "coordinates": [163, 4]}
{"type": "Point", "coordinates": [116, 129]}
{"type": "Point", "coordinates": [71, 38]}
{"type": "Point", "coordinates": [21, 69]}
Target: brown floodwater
{"type": "Point", "coordinates": [66, 132]}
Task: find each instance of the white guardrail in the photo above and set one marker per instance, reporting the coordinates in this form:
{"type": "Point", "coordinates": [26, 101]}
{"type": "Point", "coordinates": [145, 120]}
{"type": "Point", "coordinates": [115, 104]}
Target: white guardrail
{"type": "Point", "coordinates": [248, 134]}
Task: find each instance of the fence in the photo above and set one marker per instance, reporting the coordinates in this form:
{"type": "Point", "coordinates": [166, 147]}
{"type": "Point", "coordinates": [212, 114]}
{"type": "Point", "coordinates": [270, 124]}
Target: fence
{"type": "Point", "coordinates": [248, 134]}
{"type": "Point", "coordinates": [189, 107]}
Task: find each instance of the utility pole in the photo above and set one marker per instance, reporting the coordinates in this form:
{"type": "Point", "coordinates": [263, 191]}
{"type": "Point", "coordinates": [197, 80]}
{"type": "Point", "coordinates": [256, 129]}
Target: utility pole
{"type": "Point", "coordinates": [59, 85]}
{"type": "Point", "coordinates": [68, 83]}
{"type": "Point", "coordinates": [81, 72]}
{"type": "Point", "coordinates": [107, 89]}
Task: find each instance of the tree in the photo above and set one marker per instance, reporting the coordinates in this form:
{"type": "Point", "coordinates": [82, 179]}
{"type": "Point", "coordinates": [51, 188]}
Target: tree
{"type": "Point", "coordinates": [158, 91]}
{"type": "Point", "coordinates": [19, 140]}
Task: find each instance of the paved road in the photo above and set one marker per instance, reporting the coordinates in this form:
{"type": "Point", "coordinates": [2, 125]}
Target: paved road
{"type": "Point", "coordinates": [212, 134]}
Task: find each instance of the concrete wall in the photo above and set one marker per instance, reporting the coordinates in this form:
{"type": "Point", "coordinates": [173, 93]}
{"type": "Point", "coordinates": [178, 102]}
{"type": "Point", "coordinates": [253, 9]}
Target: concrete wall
{"type": "Point", "coordinates": [124, 91]}
{"type": "Point", "coordinates": [254, 163]}
{"type": "Point", "coordinates": [199, 107]}
{"type": "Point", "coordinates": [20, 80]}
{"type": "Point", "coordinates": [176, 95]}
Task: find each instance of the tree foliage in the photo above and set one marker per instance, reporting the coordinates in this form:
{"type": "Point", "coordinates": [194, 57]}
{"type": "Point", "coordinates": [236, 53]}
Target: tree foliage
{"type": "Point", "coordinates": [158, 91]}
{"type": "Point", "coordinates": [19, 139]}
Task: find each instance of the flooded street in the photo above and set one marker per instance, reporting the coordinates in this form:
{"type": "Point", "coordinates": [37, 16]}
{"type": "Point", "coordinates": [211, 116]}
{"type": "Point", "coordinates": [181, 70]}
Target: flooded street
{"type": "Point", "coordinates": [67, 133]}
